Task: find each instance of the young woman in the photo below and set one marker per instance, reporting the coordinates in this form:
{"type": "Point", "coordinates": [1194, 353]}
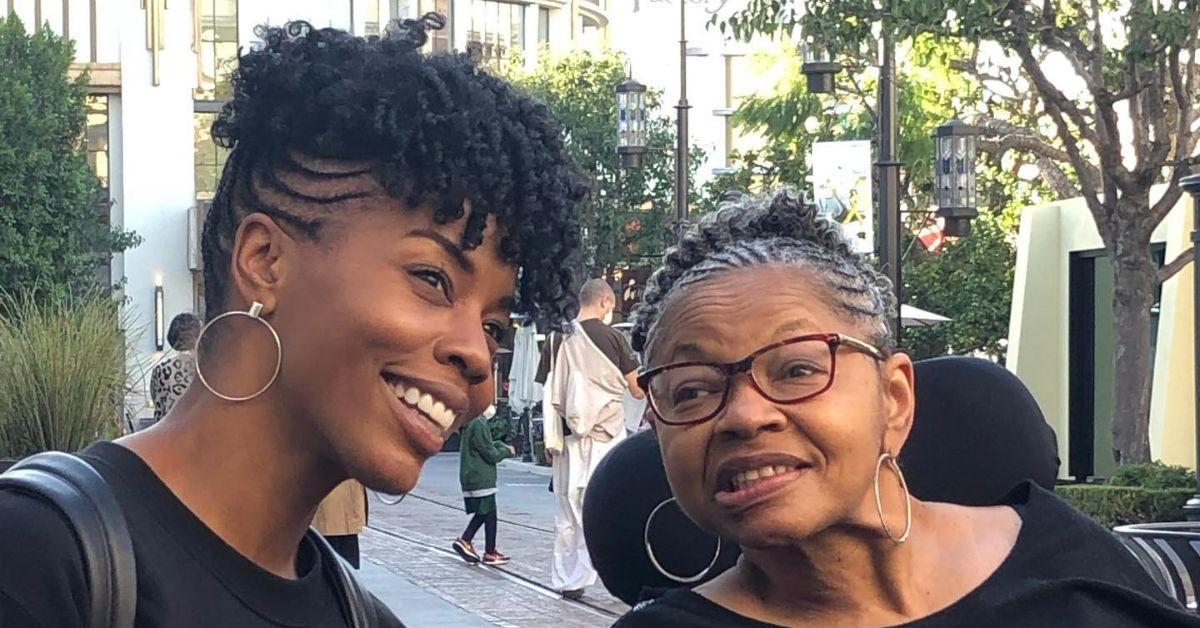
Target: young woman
{"type": "Point", "coordinates": [381, 214]}
{"type": "Point", "coordinates": [780, 407]}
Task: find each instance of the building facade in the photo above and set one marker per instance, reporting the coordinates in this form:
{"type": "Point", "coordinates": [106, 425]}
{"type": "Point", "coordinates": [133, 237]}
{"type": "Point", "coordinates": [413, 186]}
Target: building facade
{"type": "Point", "coordinates": [159, 76]}
{"type": "Point", "coordinates": [1061, 339]}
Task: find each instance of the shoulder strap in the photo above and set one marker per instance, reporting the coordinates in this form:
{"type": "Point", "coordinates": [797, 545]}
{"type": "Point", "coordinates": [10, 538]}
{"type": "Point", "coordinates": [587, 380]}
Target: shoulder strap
{"type": "Point", "coordinates": [79, 492]}
{"type": "Point", "coordinates": [357, 603]}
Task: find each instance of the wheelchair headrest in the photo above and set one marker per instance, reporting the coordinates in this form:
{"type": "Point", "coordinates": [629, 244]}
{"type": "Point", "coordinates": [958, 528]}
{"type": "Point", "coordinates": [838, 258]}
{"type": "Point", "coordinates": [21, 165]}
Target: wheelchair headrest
{"type": "Point", "coordinates": [977, 433]}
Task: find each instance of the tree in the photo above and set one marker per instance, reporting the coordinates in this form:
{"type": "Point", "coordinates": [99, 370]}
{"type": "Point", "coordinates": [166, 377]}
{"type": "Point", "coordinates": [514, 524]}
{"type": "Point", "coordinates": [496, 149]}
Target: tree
{"type": "Point", "coordinates": [972, 278]}
{"type": "Point", "coordinates": [1129, 126]}
{"type": "Point", "coordinates": [53, 230]}
{"type": "Point", "coordinates": [629, 220]}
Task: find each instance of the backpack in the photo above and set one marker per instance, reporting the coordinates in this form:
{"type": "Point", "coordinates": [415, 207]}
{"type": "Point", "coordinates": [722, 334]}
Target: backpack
{"type": "Point", "coordinates": [80, 494]}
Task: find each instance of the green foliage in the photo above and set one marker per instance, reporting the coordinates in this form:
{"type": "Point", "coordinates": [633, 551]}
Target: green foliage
{"type": "Point", "coordinates": [1154, 475]}
{"type": "Point", "coordinates": [53, 230]}
{"type": "Point", "coordinates": [62, 372]}
{"type": "Point", "coordinates": [1122, 505]}
{"type": "Point", "coordinates": [629, 220]}
{"type": "Point", "coordinates": [971, 280]}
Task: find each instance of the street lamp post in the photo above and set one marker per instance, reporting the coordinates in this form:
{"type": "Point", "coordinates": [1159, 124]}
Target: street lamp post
{"type": "Point", "coordinates": [1191, 184]}
{"type": "Point", "coordinates": [954, 176]}
{"type": "Point", "coordinates": [959, 194]}
{"type": "Point", "coordinates": [631, 126]}
{"type": "Point", "coordinates": [681, 129]}
{"type": "Point", "coordinates": [631, 123]}
{"type": "Point", "coordinates": [820, 70]}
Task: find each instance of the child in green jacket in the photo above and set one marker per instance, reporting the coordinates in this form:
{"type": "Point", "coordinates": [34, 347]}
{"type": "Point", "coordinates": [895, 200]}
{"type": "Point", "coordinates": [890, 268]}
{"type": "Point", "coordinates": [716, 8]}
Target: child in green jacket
{"type": "Point", "coordinates": [479, 453]}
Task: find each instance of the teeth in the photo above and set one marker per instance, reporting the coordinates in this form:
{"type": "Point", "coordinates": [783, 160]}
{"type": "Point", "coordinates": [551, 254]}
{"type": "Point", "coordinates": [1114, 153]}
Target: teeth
{"type": "Point", "coordinates": [749, 478]}
{"type": "Point", "coordinates": [424, 402]}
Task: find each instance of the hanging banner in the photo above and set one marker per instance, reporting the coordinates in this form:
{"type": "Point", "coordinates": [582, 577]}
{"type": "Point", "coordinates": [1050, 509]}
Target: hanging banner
{"type": "Point", "coordinates": [841, 174]}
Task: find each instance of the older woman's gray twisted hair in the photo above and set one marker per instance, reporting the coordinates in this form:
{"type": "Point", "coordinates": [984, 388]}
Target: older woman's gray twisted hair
{"type": "Point", "coordinates": [774, 229]}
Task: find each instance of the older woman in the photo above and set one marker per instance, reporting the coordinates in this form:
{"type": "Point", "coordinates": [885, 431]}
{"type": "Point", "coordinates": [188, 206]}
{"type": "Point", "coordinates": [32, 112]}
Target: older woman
{"type": "Point", "coordinates": [780, 407]}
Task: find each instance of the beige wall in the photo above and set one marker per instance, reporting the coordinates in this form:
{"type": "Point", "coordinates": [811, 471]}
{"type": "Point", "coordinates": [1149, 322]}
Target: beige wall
{"type": "Point", "coordinates": [1038, 332]}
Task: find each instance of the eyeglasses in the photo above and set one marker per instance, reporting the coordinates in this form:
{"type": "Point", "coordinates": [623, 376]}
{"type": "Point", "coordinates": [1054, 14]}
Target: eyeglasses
{"type": "Point", "coordinates": [789, 371]}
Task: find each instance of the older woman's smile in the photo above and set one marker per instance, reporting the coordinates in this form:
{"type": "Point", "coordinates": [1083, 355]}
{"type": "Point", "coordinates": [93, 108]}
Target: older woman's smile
{"type": "Point", "coordinates": [747, 480]}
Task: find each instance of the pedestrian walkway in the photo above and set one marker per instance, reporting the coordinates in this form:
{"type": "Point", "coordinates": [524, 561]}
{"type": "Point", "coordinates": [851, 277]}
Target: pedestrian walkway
{"type": "Point", "coordinates": [414, 605]}
{"type": "Point", "coordinates": [412, 540]}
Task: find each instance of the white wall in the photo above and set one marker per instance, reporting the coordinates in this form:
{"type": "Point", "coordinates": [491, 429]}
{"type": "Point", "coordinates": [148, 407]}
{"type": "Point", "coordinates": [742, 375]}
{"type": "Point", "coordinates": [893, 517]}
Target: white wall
{"type": "Point", "coordinates": [157, 185]}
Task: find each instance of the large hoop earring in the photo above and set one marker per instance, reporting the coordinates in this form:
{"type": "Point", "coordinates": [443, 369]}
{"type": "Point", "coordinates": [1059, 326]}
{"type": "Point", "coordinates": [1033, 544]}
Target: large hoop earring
{"type": "Point", "coordinates": [891, 460]}
{"type": "Point", "coordinates": [254, 313]}
{"type": "Point", "coordinates": [659, 567]}
{"type": "Point", "coordinates": [389, 502]}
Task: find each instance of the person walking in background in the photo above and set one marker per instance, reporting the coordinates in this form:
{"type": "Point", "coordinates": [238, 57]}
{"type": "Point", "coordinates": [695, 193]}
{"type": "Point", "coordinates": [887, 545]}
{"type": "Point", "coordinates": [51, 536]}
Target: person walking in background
{"type": "Point", "coordinates": [586, 374]}
{"type": "Point", "coordinates": [173, 374]}
{"type": "Point", "coordinates": [341, 517]}
{"type": "Point", "coordinates": [479, 453]}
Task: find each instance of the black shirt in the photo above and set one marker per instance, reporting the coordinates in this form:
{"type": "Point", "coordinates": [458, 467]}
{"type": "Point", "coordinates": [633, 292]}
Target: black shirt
{"type": "Point", "coordinates": [187, 575]}
{"type": "Point", "coordinates": [609, 341]}
{"type": "Point", "coordinates": [1065, 570]}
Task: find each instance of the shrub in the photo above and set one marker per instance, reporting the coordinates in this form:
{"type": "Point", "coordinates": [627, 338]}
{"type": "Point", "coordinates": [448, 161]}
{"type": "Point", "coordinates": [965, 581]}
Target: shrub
{"type": "Point", "coordinates": [1121, 505]}
{"type": "Point", "coordinates": [1153, 475]}
{"type": "Point", "coordinates": [53, 231]}
{"type": "Point", "coordinates": [62, 373]}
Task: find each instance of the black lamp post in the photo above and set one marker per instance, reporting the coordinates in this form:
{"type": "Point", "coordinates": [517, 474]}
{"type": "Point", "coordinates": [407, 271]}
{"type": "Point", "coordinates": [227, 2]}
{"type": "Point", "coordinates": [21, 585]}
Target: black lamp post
{"type": "Point", "coordinates": [631, 130]}
{"type": "Point", "coordinates": [818, 68]}
{"type": "Point", "coordinates": [954, 176]}
{"type": "Point", "coordinates": [631, 123]}
{"type": "Point", "coordinates": [1191, 185]}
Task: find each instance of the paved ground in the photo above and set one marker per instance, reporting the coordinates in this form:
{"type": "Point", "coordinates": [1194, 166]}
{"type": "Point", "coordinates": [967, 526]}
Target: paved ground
{"type": "Point", "coordinates": [408, 548]}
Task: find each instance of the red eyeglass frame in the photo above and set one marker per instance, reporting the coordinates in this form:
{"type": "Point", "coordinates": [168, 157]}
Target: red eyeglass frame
{"type": "Point", "coordinates": [731, 369]}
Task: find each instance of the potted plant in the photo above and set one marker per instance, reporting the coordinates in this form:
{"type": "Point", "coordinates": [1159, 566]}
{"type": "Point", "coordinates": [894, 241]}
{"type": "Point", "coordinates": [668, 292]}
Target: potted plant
{"type": "Point", "coordinates": [62, 373]}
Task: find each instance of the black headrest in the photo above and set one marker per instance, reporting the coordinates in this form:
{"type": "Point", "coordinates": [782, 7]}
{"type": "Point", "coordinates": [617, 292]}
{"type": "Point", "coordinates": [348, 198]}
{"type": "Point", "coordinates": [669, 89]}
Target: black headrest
{"type": "Point", "coordinates": [977, 433]}
{"type": "Point", "coordinates": [628, 484]}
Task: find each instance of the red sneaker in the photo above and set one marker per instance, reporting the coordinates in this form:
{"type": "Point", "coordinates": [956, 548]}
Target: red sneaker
{"type": "Point", "coordinates": [494, 558]}
{"type": "Point", "coordinates": [466, 550]}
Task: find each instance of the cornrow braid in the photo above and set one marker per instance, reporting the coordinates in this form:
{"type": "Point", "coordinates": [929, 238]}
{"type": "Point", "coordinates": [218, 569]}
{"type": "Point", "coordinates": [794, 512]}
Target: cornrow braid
{"type": "Point", "coordinates": [428, 130]}
{"type": "Point", "coordinates": [775, 229]}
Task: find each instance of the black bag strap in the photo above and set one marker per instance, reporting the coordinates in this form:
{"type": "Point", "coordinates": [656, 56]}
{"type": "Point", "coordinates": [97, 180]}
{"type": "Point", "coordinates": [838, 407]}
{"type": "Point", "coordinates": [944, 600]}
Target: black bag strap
{"type": "Point", "coordinates": [357, 603]}
{"type": "Point", "coordinates": [79, 492]}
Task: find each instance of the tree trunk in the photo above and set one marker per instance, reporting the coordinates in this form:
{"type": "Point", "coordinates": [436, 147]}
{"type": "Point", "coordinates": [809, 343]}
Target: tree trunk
{"type": "Point", "coordinates": [1134, 283]}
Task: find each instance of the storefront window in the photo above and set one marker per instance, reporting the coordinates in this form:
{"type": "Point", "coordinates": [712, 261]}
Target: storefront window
{"type": "Point", "coordinates": [439, 41]}
{"type": "Point", "coordinates": [209, 158]}
{"type": "Point", "coordinates": [96, 140]}
{"type": "Point", "coordinates": [497, 30]}
{"type": "Point", "coordinates": [216, 48]}
{"type": "Point", "coordinates": [543, 25]}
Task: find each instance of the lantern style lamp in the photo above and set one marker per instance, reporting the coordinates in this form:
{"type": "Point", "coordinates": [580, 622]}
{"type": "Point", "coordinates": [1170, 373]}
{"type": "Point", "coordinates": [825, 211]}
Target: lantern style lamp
{"type": "Point", "coordinates": [819, 68]}
{"type": "Point", "coordinates": [631, 123]}
{"type": "Point", "coordinates": [954, 176]}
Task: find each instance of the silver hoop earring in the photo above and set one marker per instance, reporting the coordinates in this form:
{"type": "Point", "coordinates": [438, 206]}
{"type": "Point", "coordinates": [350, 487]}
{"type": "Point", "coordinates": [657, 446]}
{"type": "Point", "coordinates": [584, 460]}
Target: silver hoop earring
{"type": "Point", "coordinates": [891, 460]}
{"type": "Point", "coordinates": [254, 314]}
{"type": "Point", "coordinates": [659, 567]}
{"type": "Point", "coordinates": [393, 502]}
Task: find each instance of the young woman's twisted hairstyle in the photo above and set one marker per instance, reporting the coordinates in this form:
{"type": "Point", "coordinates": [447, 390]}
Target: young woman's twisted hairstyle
{"type": "Point", "coordinates": [774, 229]}
{"type": "Point", "coordinates": [428, 129]}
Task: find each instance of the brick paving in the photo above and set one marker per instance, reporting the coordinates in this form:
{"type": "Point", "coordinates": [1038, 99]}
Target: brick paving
{"type": "Point", "coordinates": [432, 516]}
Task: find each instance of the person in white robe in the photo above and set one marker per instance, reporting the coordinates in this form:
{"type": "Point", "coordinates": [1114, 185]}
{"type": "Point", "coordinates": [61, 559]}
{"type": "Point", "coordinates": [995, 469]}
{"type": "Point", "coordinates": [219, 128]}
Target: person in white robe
{"type": "Point", "coordinates": [585, 390]}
